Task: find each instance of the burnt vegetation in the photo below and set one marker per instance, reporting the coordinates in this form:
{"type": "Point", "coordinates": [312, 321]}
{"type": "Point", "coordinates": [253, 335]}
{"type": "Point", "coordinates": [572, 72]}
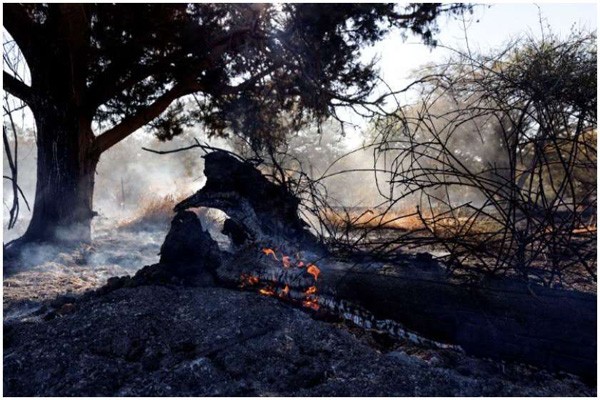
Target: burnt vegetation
{"type": "Point", "coordinates": [495, 164]}
{"type": "Point", "coordinates": [463, 225]}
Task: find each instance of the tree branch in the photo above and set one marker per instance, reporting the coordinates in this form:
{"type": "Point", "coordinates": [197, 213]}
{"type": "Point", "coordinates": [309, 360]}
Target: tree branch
{"type": "Point", "coordinates": [17, 88]}
{"type": "Point", "coordinates": [132, 123]}
{"type": "Point", "coordinates": [122, 75]}
{"type": "Point", "coordinates": [20, 26]}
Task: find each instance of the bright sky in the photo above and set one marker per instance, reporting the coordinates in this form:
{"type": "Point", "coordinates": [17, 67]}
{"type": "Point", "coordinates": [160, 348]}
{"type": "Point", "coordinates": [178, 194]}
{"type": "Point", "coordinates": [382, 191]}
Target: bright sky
{"type": "Point", "coordinates": [497, 24]}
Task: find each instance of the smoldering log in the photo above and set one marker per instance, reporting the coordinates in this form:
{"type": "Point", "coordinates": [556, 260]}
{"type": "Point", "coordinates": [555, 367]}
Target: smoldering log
{"type": "Point", "coordinates": [503, 319]}
{"type": "Point", "coordinates": [549, 328]}
{"type": "Point", "coordinates": [257, 206]}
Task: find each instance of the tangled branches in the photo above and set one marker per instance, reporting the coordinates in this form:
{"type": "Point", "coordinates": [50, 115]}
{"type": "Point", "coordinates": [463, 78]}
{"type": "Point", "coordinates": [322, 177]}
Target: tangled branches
{"type": "Point", "coordinates": [500, 157]}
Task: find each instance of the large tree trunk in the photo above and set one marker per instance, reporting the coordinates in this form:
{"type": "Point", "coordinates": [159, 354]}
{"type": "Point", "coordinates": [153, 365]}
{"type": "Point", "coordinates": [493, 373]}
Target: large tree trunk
{"type": "Point", "coordinates": [66, 165]}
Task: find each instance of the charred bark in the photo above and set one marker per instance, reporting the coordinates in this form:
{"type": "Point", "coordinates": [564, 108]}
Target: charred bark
{"type": "Point", "coordinates": [66, 164]}
{"type": "Point", "coordinates": [67, 154]}
{"type": "Point", "coordinates": [509, 320]}
{"type": "Point", "coordinates": [259, 207]}
{"type": "Point", "coordinates": [502, 319]}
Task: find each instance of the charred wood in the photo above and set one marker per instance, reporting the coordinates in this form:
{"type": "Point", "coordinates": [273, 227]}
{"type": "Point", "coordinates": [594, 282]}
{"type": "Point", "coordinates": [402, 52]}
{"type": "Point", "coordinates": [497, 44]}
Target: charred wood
{"type": "Point", "coordinates": [262, 208]}
{"type": "Point", "coordinates": [502, 319]}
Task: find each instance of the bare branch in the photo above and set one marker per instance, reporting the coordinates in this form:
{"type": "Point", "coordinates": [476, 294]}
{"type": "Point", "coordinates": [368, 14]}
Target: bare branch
{"type": "Point", "coordinates": [17, 88]}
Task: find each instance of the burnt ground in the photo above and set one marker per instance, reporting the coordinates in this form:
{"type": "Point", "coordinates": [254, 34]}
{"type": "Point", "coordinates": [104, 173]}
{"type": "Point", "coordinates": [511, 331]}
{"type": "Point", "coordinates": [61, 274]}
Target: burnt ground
{"type": "Point", "coordinates": [172, 340]}
{"type": "Point", "coordinates": [178, 341]}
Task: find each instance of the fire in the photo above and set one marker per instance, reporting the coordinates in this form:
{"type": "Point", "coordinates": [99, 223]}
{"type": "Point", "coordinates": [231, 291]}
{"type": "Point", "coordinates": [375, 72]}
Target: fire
{"type": "Point", "coordinates": [269, 289]}
{"type": "Point", "coordinates": [266, 291]}
{"type": "Point", "coordinates": [312, 304]}
{"type": "Point", "coordinates": [311, 290]}
{"type": "Point", "coordinates": [248, 280]}
{"type": "Point", "coordinates": [271, 252]}
{"type": "Point", "coordinates": [313, 270]}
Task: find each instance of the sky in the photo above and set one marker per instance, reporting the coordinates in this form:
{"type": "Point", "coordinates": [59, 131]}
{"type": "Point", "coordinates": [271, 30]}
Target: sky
{"type": "Point", "coordinates": [488, 28]}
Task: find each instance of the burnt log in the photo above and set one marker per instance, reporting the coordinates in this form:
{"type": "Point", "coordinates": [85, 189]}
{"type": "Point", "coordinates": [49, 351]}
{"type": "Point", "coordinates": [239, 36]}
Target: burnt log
{"type": "Point", "coordinates": [264, 210]}
{"type": "Point", "coordinates": [502, 319]}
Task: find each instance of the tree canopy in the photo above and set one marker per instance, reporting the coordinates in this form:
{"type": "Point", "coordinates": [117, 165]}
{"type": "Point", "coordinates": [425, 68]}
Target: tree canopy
{"type": "Point", "coordinates": [255, 68]}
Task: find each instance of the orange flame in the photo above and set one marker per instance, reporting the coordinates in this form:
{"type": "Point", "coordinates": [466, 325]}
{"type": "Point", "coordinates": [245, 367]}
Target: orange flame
{"type": "Point", "coordinates": [248, 280]}
{"type": "Point", "coordinates": [270, 252]}
{"type": "Point", "coordinates": [310, 300]}
{"type": "Point", "coordinates": [313, 270]}
{"type": "Point", "coordinates": [266, 291]}
{"type": "Point", "coordinates": [311, 290]}
{"type": "Point", "coordinates": [311, 304]}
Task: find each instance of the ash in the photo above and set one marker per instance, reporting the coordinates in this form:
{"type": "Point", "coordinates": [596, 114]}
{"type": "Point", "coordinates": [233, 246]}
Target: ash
{"type": "Point", "coordinates": [175, 341]}
{"type": "Point", "coordinates": [63, 339]}
{"type": "Point", "coordinates": [45, 272]}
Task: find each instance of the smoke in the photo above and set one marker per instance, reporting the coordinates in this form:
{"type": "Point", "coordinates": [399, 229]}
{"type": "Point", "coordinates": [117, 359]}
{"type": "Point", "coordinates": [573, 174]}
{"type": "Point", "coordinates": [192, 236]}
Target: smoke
{"type": "Point", "coordinates": [135, 192]}
{"type": "Point", "coordinates": [127, 178]}
{"type": "Point", "coordinates": [341, 161]}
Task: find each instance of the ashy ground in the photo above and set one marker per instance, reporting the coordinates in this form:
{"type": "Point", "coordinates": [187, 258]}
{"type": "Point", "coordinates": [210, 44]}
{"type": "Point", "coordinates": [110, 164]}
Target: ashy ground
{"type": "Point", "coordinates": [178, 341]}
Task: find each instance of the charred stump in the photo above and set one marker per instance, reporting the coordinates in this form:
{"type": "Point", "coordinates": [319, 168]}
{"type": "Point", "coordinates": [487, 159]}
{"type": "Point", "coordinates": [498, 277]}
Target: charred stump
{"type": "Point", "coordinates": [509, 320]}
{"type": "Point", "coordinates": [189, 250]}
{"type": "Point", "coordinates": [257, 207]}
{"type": "Point", "coordinates": [189, 256]}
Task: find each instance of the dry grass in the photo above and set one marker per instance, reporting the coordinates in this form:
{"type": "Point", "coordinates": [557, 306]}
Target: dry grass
{"type": "Point", "coordinates": [408, 221]}
{"type": "Point", "coordinates": [442, 224]}
{"type": "Point", "coordinates": [368, 219]}
{"type": "Point", "coordinates": [158, 211]}
{"type": "Point", "coordinates": [154, 211]}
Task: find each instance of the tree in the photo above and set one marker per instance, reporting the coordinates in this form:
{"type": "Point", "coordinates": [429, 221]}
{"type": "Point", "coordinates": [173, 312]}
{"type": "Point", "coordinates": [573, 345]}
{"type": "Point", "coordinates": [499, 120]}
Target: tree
{"type": "Point", "coordinates": [500, 151]}
{"type": "Point", "coordinates": [129, 66]}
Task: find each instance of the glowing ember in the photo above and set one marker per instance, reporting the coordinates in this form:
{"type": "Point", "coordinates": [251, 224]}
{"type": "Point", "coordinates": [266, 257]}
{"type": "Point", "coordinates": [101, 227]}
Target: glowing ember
{"type": "Point", "coordinates": [271, 252]}
{"type": "Point", "coordinates": [311, 290]}
{"type": "Point", "coordinates": [311, 304]}
{"type": "Point", "coordinates": [266, 291]}
{"type": "Point", "coordinates": [248, 280]}
{"type": "Point", "coordinates": [310, 294]}
{"type": "Point", "coordinates": [313, 270]}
